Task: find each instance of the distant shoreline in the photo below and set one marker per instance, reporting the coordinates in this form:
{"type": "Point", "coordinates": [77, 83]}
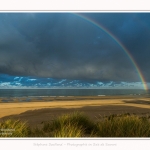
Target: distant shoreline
{"type": "Point", "coordinates": [8, 93]}
{"type": "Point", "coordinates": [66, 98]}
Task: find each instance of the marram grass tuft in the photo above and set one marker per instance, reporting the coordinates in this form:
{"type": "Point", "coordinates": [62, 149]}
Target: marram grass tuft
{"type": "Point", "coordinates": [79, 125]}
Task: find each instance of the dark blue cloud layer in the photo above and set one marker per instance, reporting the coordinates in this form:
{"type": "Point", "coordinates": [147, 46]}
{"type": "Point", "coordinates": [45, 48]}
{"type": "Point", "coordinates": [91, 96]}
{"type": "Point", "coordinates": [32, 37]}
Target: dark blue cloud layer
{"type": "Point", "coordinates": [63, 45]}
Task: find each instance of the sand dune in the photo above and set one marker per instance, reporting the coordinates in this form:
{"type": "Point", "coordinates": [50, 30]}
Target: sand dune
{"type": "Point", "coordinates": [36, 112]}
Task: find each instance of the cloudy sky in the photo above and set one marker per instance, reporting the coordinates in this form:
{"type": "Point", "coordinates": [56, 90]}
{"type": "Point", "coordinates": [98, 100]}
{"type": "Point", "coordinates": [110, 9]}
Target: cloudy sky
{"type": "Point", "coordinates": [58, 47]}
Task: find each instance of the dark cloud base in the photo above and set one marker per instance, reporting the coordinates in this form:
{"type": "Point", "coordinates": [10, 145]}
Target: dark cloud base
{"type": "Point", "coordinates": [65, 46]}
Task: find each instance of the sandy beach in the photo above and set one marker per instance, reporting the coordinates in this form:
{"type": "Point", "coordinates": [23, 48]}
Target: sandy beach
{"type": "Point", "coordinates": [47, 108]}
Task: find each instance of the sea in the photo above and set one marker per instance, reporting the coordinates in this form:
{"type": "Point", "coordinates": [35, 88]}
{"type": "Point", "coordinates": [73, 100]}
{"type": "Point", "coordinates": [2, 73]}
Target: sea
{"type": "Point", "coordinates": [7, 93]}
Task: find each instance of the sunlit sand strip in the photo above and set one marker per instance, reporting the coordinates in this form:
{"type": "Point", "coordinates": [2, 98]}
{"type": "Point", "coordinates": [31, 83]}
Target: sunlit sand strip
{"type": "Point", "coordinates": [17, 108]}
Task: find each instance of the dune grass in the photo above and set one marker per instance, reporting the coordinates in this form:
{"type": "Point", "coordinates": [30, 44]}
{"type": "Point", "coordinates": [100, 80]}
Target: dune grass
{"type": "Point", "coordinates": [68, 130]}
{"type": "Point", "coordinates": [79, 125]}
{"type": "Point", "coordinates": [70, 125]}
{"type": "Point", "coordinates": [123, 126]}
{"type": "Point", "coordinates": [13, 128]}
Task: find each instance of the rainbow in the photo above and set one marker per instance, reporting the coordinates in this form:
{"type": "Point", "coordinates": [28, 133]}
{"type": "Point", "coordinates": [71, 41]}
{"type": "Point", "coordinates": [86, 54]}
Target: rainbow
{"type": "Point", "coordinates": [119, 43]}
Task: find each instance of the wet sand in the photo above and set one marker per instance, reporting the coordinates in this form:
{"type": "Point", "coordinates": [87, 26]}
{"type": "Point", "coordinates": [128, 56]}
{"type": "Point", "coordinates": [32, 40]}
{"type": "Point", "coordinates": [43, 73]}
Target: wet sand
{"type": "Point", "coordinates": [38, 110]}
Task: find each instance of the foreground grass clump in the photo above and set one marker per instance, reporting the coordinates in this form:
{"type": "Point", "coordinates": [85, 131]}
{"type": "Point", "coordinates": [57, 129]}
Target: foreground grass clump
{"type": "Point", "coordinates": [124, 126]}
{"type": "Point", "coordinates": [79, 125]}
{"type": "Point", "coordinates": [70, 125]}
{"type": "Point", "coordinates": [13, 128]}
{"type": "Point", "coordinates": [68, 130]}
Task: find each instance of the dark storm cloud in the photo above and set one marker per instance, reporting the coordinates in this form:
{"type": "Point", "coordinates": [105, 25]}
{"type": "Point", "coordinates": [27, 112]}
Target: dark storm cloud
{"type": "Point", "coordinates": [133, 30]}
{"type": "Point", "coordinates": [63, 45]}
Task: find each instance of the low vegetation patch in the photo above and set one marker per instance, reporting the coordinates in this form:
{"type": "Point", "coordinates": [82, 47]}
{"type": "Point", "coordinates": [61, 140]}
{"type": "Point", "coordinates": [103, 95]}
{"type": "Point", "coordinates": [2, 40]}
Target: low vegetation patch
{"type": "Point", "coordinates": [70, 125]}
{"type": "Point", "coordinates": [79, 125]}
{"type": "Point", "coordinates": [13, 128]}
{"type": "Point", "coordinates": [124, 126]}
